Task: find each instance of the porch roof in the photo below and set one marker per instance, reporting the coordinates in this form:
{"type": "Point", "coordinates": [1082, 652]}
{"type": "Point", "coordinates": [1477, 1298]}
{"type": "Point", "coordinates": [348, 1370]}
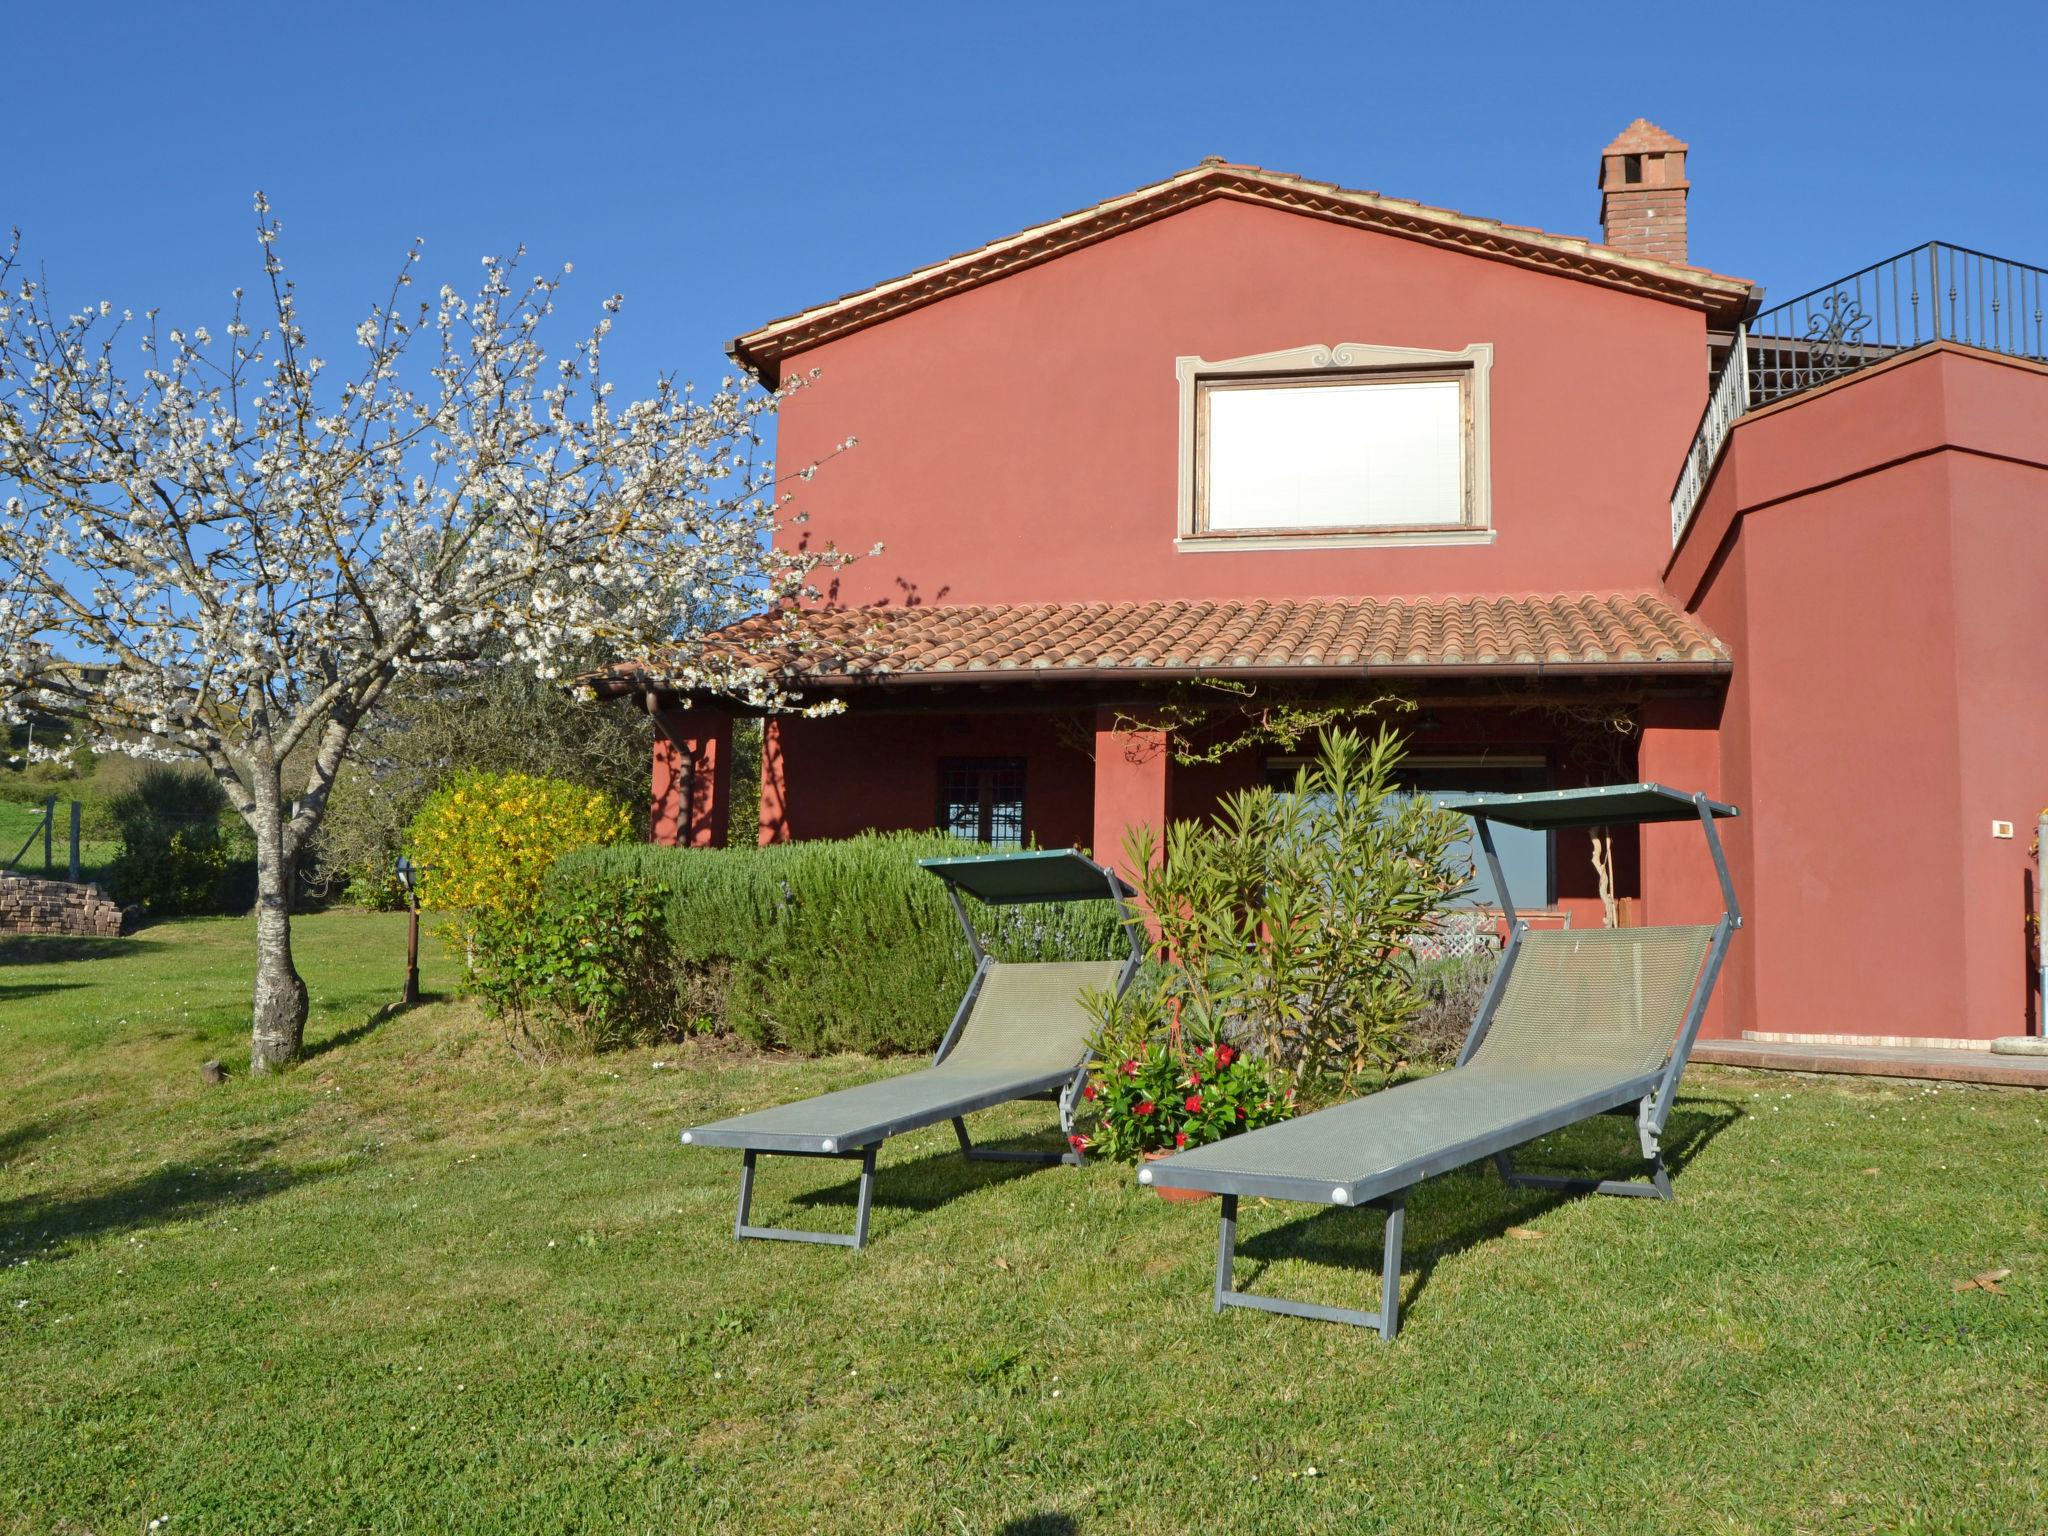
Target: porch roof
{"type": "Point", "coordinates": [1588, 634]}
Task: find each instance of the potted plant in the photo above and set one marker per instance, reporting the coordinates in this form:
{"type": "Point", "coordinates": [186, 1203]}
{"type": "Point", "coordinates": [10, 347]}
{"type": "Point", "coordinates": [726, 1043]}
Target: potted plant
{"type": "Point", "coordinates": [1156, 1092]}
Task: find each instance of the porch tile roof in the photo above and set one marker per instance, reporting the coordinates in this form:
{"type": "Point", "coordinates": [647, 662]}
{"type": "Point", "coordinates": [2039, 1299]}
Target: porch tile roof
{"type": "Point", "coordinates": [1641, 632]}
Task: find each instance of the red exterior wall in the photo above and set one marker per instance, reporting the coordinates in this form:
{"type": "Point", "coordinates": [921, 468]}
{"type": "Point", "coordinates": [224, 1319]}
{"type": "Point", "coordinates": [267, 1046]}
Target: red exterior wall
{"type": "Point", "coordinates": [1875, 555]}
{"type": "Point", "coordinates": [863, 771]}
{"type": "Point", "coordinates": [1091, 775]}
{"type": "Point", "coordinates": [1018, 441]}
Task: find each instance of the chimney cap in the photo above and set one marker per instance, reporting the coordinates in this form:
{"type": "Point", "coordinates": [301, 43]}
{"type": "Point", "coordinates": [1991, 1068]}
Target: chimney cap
{"type": "Point", "coordinates": [1643, 137]}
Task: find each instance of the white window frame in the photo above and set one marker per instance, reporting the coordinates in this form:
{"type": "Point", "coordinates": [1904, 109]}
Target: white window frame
{"type": "Point", "coordinates": [1348, 362]}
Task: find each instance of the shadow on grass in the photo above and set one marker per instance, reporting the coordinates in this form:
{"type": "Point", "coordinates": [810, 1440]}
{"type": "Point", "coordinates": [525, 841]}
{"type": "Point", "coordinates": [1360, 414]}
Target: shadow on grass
{"type": "Point", "coordinates": [53, 1226]}
{"type": "Point", "coordinates": [17, 992]}
{"type": "Point", "coordinates": [1470, 1206]}
{"type": "Point", "coordinates": [64, 949]}
{"type": "Point", "coordinates": [22, 1137]}
{"type": "Point", "coordinates": [376, 1021]}
{"type": "Point", "coordinates": [1040, 1525]}
{"type": "Point", "coordinates": [923, 1183]}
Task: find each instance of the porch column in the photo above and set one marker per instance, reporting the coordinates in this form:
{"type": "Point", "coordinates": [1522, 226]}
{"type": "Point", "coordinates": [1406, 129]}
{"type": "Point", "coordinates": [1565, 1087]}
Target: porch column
{"type": "Point", "coordinates": [1681, 748]}
{"type": "Point", "coordinates": [692, 784]}
{"type": "Point", "coordinates": [1133, 775]}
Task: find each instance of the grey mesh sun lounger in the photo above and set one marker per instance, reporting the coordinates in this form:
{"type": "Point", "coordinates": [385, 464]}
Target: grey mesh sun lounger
{"type": "Point", "coordinates": [1019, 1033]}
{"type": "Point", "coordinates": [1576, 1023]}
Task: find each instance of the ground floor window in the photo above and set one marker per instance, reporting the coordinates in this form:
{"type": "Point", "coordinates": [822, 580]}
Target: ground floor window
{"type": "Point", "coordinates": [981, 799]}
{"type": "Point", "coordinates": [1526, 856]}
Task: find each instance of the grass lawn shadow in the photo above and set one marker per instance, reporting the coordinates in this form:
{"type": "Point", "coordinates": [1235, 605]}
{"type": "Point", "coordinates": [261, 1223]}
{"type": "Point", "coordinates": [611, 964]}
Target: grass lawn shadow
{"type": "Point", "coordinates": [377, 1020]}
{"type": "Point", "coordinates": [66, 949]}
{"type": "Point", "coordinates": [21, 992]}
{"type": "Point", "coordinates": [1040, 1525]}
{"type": "Point", "coordinates": [22, 1137]}
{"type": "Point", "coordinates": [54, 1226]}
{"type": "Point", "coordinates": [924, 1183]}
{"type": "Point", "coordinates": [1469, 1207]}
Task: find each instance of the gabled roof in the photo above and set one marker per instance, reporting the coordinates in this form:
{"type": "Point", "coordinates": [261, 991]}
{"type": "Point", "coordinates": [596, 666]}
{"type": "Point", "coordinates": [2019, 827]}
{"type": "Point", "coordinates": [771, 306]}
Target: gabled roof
{"type": "Point", "coordinates": [1558, 634]}
{"type": "Point", "coordinates": [1723, 298]}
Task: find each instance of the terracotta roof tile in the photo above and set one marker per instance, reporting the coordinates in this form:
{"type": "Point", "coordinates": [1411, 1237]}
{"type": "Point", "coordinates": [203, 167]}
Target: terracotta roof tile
{"type": "Point", "coordinates": [1557, 632]}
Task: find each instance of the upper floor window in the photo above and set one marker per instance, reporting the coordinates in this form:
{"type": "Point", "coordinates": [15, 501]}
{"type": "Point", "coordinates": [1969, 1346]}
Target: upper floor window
{"type": "Point", "coordinates": [1329, 446]}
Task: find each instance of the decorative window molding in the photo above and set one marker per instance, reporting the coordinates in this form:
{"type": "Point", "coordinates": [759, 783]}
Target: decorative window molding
{"type": "Point", "coordinates": [1469, 515]}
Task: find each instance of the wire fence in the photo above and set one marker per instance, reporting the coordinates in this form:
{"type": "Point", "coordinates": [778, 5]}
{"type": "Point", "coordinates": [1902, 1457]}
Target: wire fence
{"type": "Point", "coordinates": [42, 830]}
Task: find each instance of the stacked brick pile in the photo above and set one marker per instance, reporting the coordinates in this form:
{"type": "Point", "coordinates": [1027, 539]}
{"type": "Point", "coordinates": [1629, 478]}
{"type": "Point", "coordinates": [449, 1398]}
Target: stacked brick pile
{"type": "Point", "coordinates": [56, 906]}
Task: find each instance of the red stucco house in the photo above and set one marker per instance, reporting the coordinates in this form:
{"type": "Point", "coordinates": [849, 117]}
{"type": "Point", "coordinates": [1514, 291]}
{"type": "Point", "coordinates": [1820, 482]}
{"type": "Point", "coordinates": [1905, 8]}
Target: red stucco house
{"type": "Point", "coordinates": [1240, 441]}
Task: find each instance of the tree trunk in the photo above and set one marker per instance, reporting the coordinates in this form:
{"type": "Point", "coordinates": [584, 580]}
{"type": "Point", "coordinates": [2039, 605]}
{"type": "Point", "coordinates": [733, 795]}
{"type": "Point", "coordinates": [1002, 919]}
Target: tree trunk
{"type": "Point", "coordinates": [279, 1019]}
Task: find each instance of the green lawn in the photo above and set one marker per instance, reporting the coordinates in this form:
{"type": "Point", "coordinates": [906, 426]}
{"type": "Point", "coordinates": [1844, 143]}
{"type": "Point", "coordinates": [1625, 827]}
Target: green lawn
{"type": "Point", "coordinates": [420, 1285]}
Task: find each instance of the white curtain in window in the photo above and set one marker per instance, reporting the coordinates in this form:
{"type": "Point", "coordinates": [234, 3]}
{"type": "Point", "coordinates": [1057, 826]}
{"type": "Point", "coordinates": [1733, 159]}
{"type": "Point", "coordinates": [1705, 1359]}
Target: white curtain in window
{"type": "Point", "coordinates": [1365, 455]}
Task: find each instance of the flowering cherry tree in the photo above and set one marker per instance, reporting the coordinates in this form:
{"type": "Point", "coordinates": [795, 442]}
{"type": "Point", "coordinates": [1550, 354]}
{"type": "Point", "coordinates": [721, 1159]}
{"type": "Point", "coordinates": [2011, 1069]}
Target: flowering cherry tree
{"type": "Point", "coordinates": [229, 548]}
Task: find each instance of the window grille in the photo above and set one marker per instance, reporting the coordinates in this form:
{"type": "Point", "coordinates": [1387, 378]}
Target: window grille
{"type": "Point", "coordinates": [981, 799]}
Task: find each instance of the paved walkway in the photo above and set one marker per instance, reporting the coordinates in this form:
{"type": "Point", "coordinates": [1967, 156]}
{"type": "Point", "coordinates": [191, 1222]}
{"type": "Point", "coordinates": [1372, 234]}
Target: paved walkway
{"type": "Point", "coordinates": [1947, 1066]}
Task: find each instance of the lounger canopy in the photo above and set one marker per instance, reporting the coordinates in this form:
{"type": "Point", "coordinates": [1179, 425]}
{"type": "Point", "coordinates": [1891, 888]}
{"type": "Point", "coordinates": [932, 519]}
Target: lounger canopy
{"type": "Point", "coordinates": [1021, 1031]}
{"type": "Point", "coordinates": [1604, 805]}
{"type": "Point", "coordinates": [1576, 1023]}
{"type": "Point", "coordinates": [1005, 879]}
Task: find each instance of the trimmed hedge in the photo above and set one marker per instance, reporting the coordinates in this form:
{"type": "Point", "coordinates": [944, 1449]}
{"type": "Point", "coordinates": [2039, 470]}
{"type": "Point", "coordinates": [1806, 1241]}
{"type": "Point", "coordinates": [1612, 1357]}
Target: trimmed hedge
{"type": "Point", "coordinates": [832, 946]}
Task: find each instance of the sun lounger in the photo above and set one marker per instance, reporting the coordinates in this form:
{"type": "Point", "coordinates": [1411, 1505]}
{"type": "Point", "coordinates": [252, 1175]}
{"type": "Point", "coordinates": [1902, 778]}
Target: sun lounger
{"type": "Point", "coordinates": [1577, 1023]}
{"type": "Point", "coordinates": [1020, 1032]}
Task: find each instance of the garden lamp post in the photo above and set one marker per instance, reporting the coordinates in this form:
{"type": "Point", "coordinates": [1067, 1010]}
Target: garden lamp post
{"type": "Point", "coordinates": [408, 874]}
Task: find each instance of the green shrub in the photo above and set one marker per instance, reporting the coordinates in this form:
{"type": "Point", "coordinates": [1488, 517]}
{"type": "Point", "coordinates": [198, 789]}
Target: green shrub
{"type": "Point", "coordinates": [500, 718]}
{"type": "Point", "coordinates": [1451, 991]}
{"type": "Point", "coordinates": [586, 968]}
{"type": "Point", "coordinates": [832, 946]}
{"type": "Point", "coordinates": [183, 851]}
{"type": "Point", "coordinates": [1284, 922]}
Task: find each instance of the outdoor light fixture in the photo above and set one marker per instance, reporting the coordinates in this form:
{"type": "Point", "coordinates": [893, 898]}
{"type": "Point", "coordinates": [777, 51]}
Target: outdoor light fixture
{"type": "Point", "coordinates": [408, 876]}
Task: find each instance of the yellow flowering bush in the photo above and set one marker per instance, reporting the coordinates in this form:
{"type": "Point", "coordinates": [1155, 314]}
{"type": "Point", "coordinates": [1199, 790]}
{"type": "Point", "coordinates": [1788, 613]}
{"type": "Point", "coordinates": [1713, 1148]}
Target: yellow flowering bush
{"type": "Point", "coordinates": [486, 840]}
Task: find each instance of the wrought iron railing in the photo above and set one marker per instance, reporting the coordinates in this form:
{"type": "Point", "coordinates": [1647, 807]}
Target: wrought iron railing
{"type": "Point", "coordinates": [1726, 402]}
{"type": "Point", "coordinates": [1934, 292]}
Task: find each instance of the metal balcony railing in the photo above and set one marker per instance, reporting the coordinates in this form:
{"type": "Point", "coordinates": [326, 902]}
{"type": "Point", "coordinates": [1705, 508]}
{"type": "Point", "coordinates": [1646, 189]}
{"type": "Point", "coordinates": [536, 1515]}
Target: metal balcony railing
{"type": "Point", "coordinates": [1934, 292]}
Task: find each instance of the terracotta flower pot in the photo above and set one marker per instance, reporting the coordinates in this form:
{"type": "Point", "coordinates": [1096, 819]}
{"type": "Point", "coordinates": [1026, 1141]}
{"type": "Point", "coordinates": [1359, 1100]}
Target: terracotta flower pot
{"type": "Point", "coordinates": [1177, 1196]}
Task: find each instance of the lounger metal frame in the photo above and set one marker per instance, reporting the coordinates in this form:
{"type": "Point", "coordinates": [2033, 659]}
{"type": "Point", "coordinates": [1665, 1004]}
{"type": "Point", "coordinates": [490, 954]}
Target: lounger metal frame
{"type": "Point", "coordinates": [1649, 1097]}
{"type": "Point", "coordinates": [1065, 1091]}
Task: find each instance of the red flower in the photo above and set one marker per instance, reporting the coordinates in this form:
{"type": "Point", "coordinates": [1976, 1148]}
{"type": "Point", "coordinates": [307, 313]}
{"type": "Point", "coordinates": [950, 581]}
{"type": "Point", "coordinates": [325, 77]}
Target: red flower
{"type": "Point", "coordinates": [1240, 1111]}
{"type": "Point", "coordinates": [1194, 1104]}
{"type": "Point", "coordinates": [1078, 1143]}
{"type": "Point", "coordinates": [1194, 1079]}
{"type": "Point", "coordinates": [1129, 1069]}
{"type": "Point", "coordinates": [1145, 1108]}
{"type": "Point", "coordinates": [1225, 1055]}
{"type": "Point", "coordinates": [1180, 1138]}
{"type": "Point", "coordinates": [1088, 1092]}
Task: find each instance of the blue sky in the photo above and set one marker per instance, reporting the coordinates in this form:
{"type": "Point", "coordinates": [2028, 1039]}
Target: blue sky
{"type": "Point", "coordinates": [724, 165]}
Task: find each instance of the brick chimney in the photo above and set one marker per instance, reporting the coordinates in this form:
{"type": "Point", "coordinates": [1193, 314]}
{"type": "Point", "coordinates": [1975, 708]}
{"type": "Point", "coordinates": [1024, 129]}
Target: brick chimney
{"type": "Point", "coordinates": [1642, 193]}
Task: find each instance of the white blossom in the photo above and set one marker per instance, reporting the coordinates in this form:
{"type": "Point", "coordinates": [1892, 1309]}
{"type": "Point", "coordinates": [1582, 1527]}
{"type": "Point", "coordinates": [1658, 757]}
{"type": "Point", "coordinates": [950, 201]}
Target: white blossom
{"type": "Point", "coordinates": [227, 557]}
